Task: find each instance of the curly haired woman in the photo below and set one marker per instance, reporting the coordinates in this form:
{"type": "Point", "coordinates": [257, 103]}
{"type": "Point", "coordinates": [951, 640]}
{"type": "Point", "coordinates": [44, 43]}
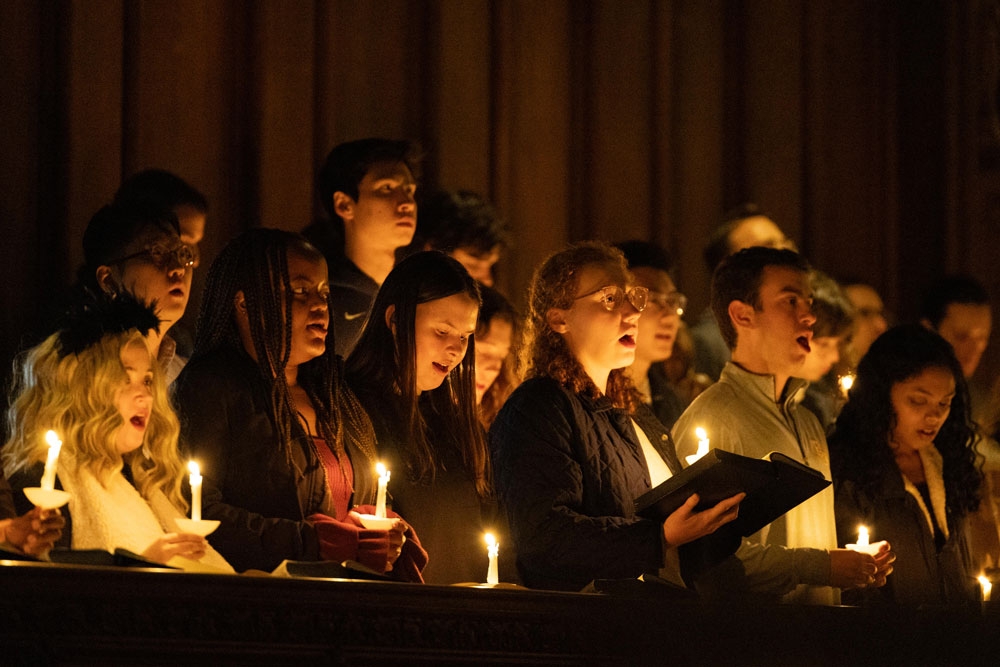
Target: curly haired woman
{"type": "Point", "coordinates": [904, 465]}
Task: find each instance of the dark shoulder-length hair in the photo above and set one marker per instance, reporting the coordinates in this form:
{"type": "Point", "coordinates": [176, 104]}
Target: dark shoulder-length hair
{"type": "Point", "coordinates": [256, 263]}
{"type": "Point", "coordinates": [859, 446]}
{"type": "Point", "coordinates": [545, 352]}
{"type": "Point", "coordinates": [384, 362]}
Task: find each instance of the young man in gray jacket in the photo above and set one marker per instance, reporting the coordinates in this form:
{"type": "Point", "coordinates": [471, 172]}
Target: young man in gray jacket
{"type": "Point", "coordinates": [761, 298]}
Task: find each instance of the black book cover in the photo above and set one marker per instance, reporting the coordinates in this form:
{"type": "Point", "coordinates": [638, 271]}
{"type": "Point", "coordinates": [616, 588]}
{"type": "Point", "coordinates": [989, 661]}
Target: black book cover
{"type": "Point", "coordinates": [773, 484]}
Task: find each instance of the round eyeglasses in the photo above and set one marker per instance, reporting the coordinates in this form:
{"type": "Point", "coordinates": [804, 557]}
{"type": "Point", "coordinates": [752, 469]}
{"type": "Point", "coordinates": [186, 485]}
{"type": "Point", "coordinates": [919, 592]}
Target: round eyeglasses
{"type": "Point", "coordinates": [614, 297]}
{"type": "Point", "coordinates": [163, 257]}
{"type": "Point", "coordinates": [674, 301]}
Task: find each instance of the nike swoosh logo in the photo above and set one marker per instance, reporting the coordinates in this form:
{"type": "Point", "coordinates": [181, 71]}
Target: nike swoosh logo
{"type": "Point", "coordinates": [354, 316]}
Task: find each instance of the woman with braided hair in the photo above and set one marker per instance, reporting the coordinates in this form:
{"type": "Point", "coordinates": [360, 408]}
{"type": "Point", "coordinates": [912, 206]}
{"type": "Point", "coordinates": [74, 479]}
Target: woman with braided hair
{"type": "Point", "coordinates": [286, 449]}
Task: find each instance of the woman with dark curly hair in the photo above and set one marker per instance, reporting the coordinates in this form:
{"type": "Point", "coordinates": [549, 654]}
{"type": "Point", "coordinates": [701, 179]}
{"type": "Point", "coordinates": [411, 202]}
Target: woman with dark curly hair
{"type": "Point", "coordinates": [904, 465]}
{"type": "Point", "coordinates": [573, 447]}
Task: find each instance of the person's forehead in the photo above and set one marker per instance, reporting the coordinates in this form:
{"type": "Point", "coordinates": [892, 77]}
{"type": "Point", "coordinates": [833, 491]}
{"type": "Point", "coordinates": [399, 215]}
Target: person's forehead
{"type": "Point", "coordinates": [784, 278]}
{"type": "Point", "coordinates": [595, 276]}
{"type": "Point", "coordinates": [863, 296]}
{"type": "Point", "coordinates": [390, 170]}
{"type": "Point", "coordinates": [654, 279]}
{"type": "Point", "coordinates": [967, 316]}
{"type": "Point", "coordinates": [151, 233]}
{"type": "Point", "coordinates": [757, 230]}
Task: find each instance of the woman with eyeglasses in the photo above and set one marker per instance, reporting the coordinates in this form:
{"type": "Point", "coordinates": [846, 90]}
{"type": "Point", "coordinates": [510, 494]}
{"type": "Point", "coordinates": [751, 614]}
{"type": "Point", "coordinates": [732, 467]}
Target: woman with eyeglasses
{"type": "Point", "coordinates": [572, 451]}
{"type": "Point", "coordinates": [137, 249]}
{"type": "Point", "coordinates": [659, 326]}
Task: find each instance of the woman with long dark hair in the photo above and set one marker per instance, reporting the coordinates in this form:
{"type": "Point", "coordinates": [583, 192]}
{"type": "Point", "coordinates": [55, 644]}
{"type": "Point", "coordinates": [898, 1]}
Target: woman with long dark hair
{"type": "Point", "coordinates": [904, 465]}
{"type": "Point", "coordinates": [414, 371]}
{"type": "Point", "coordinates": [286, 450]}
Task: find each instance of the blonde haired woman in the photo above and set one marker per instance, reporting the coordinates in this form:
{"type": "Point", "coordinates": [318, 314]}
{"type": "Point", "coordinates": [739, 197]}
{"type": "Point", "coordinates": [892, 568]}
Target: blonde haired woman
{"type": "Point", "coordinates": [98, 386]}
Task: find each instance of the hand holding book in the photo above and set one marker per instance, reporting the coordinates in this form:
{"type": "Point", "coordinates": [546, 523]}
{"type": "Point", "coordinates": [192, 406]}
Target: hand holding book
{"type": "Point", "coordinates": [687, 523]}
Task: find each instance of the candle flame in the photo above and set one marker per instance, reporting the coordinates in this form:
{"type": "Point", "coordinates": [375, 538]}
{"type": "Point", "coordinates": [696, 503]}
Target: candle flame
{"type": "Point", "coordinates": [193, 468]}
{"type": "Point", "coordinates": [701, 433]}
{"type": "Point", "coordinates": [380, 469]}
{"type": "Point", "coordinates": [863, 536]}
{"type": "Point", "coordinates": [490, 540]}
{"type": "Point", "coordinates": [846, 382]}
{"type": "Point", "coordinates": [52, 438]}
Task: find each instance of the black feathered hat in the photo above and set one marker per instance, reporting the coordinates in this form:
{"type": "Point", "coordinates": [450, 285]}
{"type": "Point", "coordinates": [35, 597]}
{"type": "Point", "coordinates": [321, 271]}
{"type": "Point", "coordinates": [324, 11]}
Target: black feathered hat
{"type": "Point", "coordinates": [97, 315]}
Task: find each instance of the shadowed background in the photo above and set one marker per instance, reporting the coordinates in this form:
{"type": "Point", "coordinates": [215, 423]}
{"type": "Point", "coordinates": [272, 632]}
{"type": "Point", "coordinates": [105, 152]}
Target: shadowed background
{"type": "Point", "coordinates": [867, 130]}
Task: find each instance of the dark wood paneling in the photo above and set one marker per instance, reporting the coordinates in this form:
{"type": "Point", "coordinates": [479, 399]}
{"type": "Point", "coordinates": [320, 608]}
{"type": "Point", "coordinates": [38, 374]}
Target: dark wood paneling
{"type": "Point", "coordinates": [857, 124]}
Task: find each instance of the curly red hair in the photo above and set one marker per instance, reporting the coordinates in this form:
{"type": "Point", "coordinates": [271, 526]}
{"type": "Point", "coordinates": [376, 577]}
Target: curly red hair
{"type": "Point", "coordinates": [545, 352]}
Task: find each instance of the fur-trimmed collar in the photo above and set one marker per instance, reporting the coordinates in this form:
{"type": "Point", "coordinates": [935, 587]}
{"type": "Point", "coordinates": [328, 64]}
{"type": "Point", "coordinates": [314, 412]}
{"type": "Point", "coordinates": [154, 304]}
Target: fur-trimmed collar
{"type": "Point", "coordinates": [934, 476]}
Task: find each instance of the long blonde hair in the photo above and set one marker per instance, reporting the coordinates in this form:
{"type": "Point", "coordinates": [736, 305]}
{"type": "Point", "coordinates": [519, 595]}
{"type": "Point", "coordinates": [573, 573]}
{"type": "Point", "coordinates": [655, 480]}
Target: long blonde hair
{"type": "Point", "coordinates": [75, 395]}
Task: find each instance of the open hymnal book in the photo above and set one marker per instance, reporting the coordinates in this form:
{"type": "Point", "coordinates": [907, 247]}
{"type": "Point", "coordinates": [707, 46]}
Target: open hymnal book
{"type": "Point", "coordinates": [773, 484]}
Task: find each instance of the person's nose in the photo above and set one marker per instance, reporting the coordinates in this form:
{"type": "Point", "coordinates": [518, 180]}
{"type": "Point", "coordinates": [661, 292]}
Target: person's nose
{"type": "Point", "coordinates": [807, 315]}
{"type": "Point", "coordinates": [407, 201]}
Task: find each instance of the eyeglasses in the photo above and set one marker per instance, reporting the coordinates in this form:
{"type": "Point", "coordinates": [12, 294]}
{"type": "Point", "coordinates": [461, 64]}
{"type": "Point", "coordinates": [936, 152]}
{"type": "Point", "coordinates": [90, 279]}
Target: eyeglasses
{"type": "Point", "coordinates": [614, 297]}
{"type": "Point", "coordinates": [675, 301]}
{"type": "Point", "coordinates": [163, 257]}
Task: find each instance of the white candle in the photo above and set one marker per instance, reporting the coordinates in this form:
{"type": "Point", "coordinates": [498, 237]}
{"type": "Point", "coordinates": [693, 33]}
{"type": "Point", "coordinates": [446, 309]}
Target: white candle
{"type": "Point", "coordinates": [702, 445]}
{"type": "Point", "coordinates": [846, 382]}
{"type": "Point", "coordinates": [864, 544]}
{"type": "Point", "coordinates": [195, 480]}
{"type": "Point", "coordinates": [383, 482]}
{"type": "Point", "coordinates": [493, 550]}
{"type": "Point", "coordinates": [986, 586]}
{"type": "Point", "coordinates": [49, 476]}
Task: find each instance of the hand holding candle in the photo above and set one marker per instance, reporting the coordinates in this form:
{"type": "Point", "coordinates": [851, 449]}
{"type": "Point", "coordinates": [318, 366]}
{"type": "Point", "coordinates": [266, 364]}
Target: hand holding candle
{"type": "Point", "coordinates": [493, 550]}
{"type": "Point", "coordinates": [49, 476]}
{"type": "Point", "coordinates": [702, 446]}
{"type": "Point", "coordinates": [383, 483]}
{"type": "Point", "coordinates": [195, 480]}
{"type": "Point", "coordinates": [863, 545]}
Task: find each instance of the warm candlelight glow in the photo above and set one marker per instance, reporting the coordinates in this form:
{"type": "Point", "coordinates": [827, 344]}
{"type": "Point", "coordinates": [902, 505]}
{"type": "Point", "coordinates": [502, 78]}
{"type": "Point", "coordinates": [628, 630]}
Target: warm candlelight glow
{"type": "Point", "coordinates": [864, 544]}
{"type": "Point", "coordinates": [195, 480]}
{"type": "Point", "coordinates": [703, 443]}
{"type": "Point", "coordinates": [846, 382]}
{"type": "Point", "coordinates": [493, 551]}
{"type": "Point", "coordinates": [383, 483]}
{"type": "Point", "coordinates": [986, 586]}
{"type": "Point", "coordinates": [49, 475]}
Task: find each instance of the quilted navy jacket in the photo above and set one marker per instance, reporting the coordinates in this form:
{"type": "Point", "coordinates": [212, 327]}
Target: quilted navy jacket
{"type": "Point", "coordinates": [567, 470]}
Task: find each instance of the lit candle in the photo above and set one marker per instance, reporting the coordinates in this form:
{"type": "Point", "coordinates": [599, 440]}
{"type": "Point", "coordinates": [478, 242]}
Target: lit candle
{"type": "Point", "coordinates": [702, 446]}
{"type": "Point", "coordinates": [986, 586]}
{"type": "Point", "coordinates": [846, 382]}
{"type": "Point", "coordinates": [195, 480]}
{"type": "Point", "coordinates": [49, 476]}
{"type": "Point", "coordinates": [383, 482]}
{"type": "Point", "coordinates": [493, 550]}
{"type": "Point", "coordinates": [864, 544]}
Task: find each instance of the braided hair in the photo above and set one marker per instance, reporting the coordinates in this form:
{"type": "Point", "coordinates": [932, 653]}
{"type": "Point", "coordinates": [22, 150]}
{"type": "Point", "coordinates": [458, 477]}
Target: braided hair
{"type": "Point", "coordinates": [256, 264]}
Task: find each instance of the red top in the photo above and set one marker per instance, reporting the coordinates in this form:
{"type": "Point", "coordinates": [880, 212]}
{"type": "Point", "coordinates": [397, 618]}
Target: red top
{"type": "Point", "coordinates": [339, 477]}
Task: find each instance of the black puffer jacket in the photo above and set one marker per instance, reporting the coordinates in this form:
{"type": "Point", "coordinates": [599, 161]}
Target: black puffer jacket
{"type": "Point", "coordinates": [567, 471]}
